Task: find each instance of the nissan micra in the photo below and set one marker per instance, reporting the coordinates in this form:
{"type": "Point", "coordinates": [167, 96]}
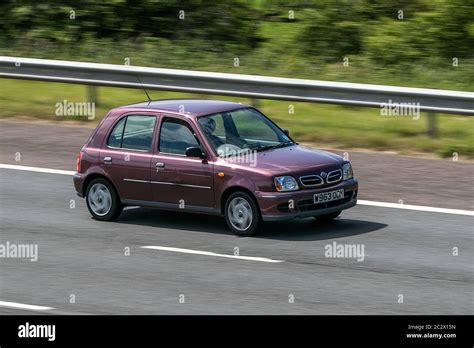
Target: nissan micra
{"type": "Point", "coordinates": [211, 157]}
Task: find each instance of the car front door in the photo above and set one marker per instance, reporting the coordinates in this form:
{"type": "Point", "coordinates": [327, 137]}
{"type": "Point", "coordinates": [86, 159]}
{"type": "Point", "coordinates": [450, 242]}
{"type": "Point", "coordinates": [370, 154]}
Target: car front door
{"type": "Point", "coordinates": [126, 156]}
{"type": "Point", "coordinates": [179, 181]}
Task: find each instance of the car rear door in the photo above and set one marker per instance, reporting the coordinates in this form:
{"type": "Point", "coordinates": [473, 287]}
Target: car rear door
{"type": "Point", "coordinates": [126, 155]}
{"type": "Point", "coordinates": [179, 181]}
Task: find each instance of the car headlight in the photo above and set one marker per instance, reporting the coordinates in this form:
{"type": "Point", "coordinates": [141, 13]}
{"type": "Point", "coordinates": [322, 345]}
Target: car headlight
{"type": "Point", "coordinates": [286, 183]}
{"type": "Point", "coordinates": [347, 172]}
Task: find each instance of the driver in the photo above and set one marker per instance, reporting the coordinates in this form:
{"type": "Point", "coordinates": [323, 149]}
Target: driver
{"type": "Point", "coordinates": [208, 127]}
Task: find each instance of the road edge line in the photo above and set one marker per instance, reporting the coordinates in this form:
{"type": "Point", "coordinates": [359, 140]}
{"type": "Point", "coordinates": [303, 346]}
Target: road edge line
{"type": "Point", "coordinates": [360, 201]}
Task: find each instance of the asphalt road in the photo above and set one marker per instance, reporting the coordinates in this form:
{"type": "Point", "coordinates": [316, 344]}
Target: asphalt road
{"type": "Point", "coordinates": [407, 253]}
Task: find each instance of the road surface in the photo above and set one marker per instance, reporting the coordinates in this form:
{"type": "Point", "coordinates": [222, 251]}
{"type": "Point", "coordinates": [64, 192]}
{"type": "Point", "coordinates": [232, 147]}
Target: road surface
{"type": "Point", "coordinates": [407, 252]}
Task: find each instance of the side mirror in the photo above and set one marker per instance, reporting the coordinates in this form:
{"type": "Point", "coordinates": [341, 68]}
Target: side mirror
{"type": "Point", "coordinates": [286, 131]}
{"type": "Point", "coordinates": [194, 151]}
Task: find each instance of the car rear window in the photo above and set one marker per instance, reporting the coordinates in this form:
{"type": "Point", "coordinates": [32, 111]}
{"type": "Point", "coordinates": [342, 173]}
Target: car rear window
{"type": "Point", "coordinates": [134, 132]}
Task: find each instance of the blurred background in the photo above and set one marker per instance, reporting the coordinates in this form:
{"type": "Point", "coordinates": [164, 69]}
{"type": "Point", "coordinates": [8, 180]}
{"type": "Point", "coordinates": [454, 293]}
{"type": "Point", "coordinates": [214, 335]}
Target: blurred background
{"type": "Point", "coordinates": [419, 43]}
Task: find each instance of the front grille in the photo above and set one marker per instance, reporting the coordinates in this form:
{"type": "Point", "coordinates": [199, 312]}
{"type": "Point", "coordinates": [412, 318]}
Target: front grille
{"type": "Point", "coordinates": [311, 180]}
{"type": "Point", "coordinates": [321, 179]}
{"type": "Point", "coordinates": [334, 176]}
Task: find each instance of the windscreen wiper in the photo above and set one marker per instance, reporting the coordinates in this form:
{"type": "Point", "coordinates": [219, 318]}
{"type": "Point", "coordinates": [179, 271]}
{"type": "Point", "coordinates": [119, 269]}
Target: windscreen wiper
{"type": "Point", "coordinates": [271, 147]}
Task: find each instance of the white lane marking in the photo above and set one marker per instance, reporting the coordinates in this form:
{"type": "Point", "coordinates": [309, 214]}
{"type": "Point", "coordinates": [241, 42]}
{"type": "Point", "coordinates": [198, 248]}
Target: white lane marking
{"type": "Point", "coordinates": [361, 202]}
{"type": "Point", "coordinates": [37, 169]}
{"type": "Point", "coordinates": [24, 306]}
{"type": "Point", "coordinates": [208, 253]}
{"type": "Point", "coordinates": [416, 207]}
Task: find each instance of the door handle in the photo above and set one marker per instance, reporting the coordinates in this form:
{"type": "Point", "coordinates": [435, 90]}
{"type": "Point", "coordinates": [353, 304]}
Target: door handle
{"type": "Point", "coordinates": [107, 160]}
{"type": "Point", "coordinates": [160, 165]}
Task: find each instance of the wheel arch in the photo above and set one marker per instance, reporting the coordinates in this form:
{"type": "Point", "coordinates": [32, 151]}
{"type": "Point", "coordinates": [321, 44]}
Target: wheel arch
{"type": "Point", "coordinates": [93, 176]}
{"type": "Point", "coordinates": [230, 190]}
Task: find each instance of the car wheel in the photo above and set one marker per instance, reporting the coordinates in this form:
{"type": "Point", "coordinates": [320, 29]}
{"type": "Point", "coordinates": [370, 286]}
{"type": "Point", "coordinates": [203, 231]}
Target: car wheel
{"type": "Point", "coordinates": [242, 214]}
{"type": "Point", "coordinates": [328, 217]}
{"type": "Point", "coordinates": [102, 200]}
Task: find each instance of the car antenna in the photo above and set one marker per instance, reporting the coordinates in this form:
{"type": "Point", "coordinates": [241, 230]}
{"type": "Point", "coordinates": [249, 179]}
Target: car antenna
{"type": "Point", "coordinates": [141, 84]}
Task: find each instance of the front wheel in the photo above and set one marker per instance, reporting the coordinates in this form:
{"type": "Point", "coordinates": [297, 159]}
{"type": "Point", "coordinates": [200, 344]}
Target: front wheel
{"type": "Point", "coordinates": [102, 200]}
{"type": "Point", "coordinates": [242, 214]}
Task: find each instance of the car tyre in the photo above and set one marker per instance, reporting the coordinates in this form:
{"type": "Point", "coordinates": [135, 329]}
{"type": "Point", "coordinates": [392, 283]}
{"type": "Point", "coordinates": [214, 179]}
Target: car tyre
{"type": "Point", "coordinates": [102, 200]}
{"type": "Point", "coordinates": [242, 214]}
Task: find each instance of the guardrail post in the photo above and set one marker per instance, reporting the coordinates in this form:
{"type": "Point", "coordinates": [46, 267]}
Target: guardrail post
{"type": "Point", "coordinates": [92, 94]}
{"type": "Point", "coordinates": [432, 124]}
{"type": "Point", "coordinates": [255, 103]}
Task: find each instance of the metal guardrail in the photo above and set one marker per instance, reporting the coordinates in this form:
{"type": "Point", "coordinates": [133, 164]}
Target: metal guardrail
{"type": "Point", "coordinates": [253, 86]}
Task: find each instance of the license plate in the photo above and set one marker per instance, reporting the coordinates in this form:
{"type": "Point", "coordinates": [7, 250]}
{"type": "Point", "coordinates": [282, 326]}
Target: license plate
{"type": "Point", "coordinates": [328, 196]}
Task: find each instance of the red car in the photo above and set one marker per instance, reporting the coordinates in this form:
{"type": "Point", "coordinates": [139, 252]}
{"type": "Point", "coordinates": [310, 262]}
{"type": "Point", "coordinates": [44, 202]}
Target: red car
{"type": "Point", "coordinates": [211, 157]}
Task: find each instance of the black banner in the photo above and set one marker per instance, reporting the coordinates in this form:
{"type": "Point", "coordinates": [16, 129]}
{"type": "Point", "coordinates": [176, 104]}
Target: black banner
{"type": "Point", "coordinates": [291, 330]}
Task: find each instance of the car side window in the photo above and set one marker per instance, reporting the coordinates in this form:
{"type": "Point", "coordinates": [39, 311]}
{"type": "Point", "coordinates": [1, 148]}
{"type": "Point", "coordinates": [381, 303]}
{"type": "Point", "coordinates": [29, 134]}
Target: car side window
{"type": "Point", "coordinates": [134, 132]}
{"type": "Point", "coordinates": [115, 137]}
{"type": "Point", "coordinates": [176, 136]}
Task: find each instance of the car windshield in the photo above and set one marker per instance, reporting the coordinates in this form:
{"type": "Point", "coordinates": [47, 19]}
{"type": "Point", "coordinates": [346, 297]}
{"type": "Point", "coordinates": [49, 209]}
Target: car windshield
{"type": "Point", "coordinates": [242, 130]}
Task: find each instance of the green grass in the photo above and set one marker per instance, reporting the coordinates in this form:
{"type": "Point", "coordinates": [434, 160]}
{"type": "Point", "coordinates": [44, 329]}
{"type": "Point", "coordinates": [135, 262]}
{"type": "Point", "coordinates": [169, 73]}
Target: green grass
{"type": "Point", "coordinates": [324, 125]}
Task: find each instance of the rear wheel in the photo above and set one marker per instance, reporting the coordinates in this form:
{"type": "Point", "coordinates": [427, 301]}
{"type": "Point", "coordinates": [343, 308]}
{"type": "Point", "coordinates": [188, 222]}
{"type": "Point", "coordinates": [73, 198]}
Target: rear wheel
{"type": "Point", "coordinates": [102, 200]}
{"type": "Point", "coordinates": [328, 217]}
{"type": "Point", "coordinates": [242, 214]}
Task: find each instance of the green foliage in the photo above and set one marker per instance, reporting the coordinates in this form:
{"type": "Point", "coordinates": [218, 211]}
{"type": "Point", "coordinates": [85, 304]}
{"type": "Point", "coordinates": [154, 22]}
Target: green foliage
{"type": "Point", "coordinates": [332, 33]}
{"type": "Point", "coordinates": [390, 33]}
{"type": "Point", "coordinates": [444, 31]}
{"type": "Point", "coordinates": [388, 43]}
{"type": "Point", "coordinates": [370, 10]}
{"type": "Point", "coordinates": [447, 28]}
{"type": "Point", "coordinates": [206, 21]}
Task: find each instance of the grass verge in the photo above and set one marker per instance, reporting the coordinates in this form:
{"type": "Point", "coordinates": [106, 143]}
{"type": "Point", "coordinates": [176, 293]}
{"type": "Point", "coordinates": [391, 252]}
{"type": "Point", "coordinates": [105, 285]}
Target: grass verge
{"type": "Point", "coordinates": [324, 125]}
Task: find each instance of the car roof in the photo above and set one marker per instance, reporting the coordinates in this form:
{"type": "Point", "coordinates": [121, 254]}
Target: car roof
{"type": "Point", "coordinates": [194, 107]}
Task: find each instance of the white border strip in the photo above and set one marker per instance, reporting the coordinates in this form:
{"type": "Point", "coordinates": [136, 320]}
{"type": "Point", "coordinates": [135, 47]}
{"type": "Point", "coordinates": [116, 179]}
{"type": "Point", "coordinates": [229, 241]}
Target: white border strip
{"type": "Point", "coordinates": [416, 207]}
{"type": "Point", "coordinates": [37, 169]}
{"type": "Point", "coordinates": [24, 306]}
{"type": "Point", "coordinates": [208, 253]}
{"type": "Point", "coordinates": [361, 202]}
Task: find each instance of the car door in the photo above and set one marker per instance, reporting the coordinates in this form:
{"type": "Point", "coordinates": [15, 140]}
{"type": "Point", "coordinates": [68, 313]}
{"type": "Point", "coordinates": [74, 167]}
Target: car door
{"type": "Point", "coordinates": [179, 181]}
{"type": "Point", "coordinates": [126, 156]}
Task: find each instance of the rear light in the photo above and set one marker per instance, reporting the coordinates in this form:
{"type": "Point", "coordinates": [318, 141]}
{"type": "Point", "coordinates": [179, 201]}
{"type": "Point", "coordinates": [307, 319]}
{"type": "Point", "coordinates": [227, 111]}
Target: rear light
{"type": "Point", "coordinates": [78, 162]}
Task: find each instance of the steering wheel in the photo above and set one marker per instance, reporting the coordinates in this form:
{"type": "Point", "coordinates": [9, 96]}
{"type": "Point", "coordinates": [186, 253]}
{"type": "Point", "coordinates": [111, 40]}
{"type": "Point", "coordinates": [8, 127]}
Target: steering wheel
{"type": "Point", "coordinates": [238, 141]}
{"type": "Point", "coordinates": [227, 149]}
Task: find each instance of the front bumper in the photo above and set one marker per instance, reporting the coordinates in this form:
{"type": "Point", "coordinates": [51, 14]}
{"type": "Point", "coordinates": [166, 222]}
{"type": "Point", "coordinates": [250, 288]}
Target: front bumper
{"type": "Point", "coordinates": [278, 206]}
